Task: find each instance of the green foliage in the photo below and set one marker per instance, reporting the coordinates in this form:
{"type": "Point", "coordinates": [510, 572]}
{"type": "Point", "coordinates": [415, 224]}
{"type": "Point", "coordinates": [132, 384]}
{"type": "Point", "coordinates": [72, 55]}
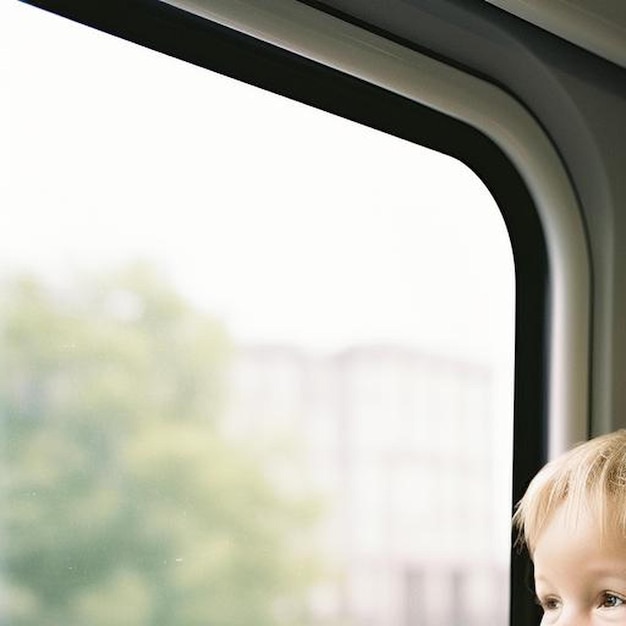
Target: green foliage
{"type": "Point", "coordinates": [121, 503]}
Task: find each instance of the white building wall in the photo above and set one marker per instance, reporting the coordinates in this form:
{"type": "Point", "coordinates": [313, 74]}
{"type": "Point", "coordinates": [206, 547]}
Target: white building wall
{"type": "Point", "coordinates": [400, 445]}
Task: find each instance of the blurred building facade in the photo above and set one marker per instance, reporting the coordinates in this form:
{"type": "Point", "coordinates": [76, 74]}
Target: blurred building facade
{"type": "Point", "coordinates": [401, 445]}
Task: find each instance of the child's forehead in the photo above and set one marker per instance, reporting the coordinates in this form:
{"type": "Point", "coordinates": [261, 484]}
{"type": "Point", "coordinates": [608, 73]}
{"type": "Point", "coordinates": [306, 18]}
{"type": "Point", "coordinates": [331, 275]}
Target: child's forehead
{"type": "Point", "coordinates": [578, 554]}
{"type": "Point", "coordinates": [588, 521]}
{"type": "Point", "coordinates": [590, 478]}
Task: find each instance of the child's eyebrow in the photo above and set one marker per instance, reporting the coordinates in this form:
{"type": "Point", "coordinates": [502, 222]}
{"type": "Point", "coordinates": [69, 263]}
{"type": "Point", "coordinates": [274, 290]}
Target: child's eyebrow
{"type": "Point", "coordinates": [621, 573]}
{"type": "Point", "coordinates": [606, 571]}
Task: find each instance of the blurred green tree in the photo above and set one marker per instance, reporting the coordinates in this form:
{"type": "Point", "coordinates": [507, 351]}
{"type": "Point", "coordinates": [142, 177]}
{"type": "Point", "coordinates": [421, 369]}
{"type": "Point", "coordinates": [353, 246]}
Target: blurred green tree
{"type": "Point", "coordinates": [121, 502]}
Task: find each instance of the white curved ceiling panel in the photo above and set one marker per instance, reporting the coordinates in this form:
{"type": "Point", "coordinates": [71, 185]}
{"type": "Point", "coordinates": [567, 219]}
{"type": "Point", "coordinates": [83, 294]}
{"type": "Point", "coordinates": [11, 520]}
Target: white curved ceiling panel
{"type": "Point", "coordinates": [596, 25]}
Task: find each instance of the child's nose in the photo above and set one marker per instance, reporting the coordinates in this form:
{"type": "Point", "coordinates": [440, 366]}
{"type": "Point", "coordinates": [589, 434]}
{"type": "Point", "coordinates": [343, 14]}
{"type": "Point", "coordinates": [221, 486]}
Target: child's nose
{"type": "Point", "coordinates": [573, 617]}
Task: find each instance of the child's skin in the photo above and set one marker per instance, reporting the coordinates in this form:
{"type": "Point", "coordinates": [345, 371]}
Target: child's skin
{"type": "Point", "coordinates": [572, 519]}
{"type": "Point", "coordinates": [580, 572]}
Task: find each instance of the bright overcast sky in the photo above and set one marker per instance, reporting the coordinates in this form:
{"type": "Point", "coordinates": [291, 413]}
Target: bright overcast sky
{"type": "Point", "coordinates": [292, 225]}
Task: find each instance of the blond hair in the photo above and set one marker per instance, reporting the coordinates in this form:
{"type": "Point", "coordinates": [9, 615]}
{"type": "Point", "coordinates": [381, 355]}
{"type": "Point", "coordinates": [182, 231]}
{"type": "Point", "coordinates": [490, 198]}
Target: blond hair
{"type": "Point", "coordinates": [590, 478]}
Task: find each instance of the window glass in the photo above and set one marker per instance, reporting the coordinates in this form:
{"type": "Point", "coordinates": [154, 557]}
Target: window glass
{"type": "Point", "coordinates": [257, 359]}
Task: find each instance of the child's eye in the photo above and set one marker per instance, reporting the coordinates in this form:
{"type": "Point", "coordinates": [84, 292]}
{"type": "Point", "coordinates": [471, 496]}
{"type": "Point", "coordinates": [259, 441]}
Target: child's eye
{"type": "Point", "coordinates": [549, 604]}
{"type": "Point", "coordinates": [610, 600]}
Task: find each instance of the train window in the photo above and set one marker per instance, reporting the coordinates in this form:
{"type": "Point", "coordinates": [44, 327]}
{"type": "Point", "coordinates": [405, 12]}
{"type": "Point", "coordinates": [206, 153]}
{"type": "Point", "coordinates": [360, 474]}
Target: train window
{"type": "Point", "coordinates": [258, 358]}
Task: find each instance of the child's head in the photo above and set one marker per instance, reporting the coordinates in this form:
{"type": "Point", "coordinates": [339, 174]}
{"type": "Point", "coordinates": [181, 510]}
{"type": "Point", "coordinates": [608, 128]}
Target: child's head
{"type": "Point", "coordinates": [590, 478]}
{"type": "Point", "coordinates": [573, 521]}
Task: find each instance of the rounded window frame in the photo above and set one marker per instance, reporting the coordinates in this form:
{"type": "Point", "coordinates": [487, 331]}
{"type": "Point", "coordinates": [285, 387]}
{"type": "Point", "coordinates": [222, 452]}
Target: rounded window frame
{"type": "Point", "coordinates": [298, 51]}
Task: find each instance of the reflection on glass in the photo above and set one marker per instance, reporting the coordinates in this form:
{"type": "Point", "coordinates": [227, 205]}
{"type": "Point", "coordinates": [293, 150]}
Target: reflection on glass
{"type": "Point", "coordinates": [256, 359]}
